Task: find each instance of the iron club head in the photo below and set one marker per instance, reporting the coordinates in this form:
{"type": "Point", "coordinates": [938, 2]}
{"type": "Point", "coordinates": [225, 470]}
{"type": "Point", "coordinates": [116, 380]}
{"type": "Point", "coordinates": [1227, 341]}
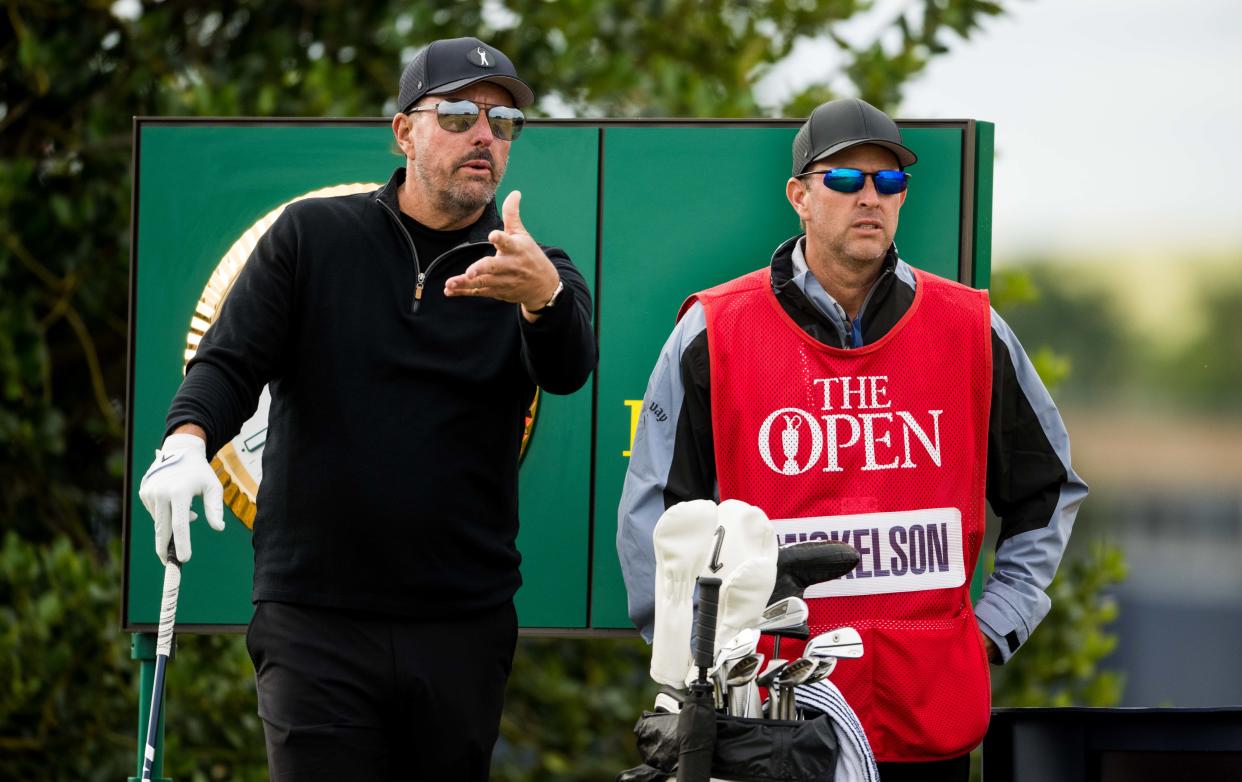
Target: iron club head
{"type": "Point", "coordinates": [842, 643]}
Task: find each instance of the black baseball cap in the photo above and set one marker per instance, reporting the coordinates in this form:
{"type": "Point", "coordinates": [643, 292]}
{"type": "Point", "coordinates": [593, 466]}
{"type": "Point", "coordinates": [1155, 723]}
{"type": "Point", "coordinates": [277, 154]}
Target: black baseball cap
{"type": "Point", "coordinates": [840, 124]}
{"type": "Point", "coordinates": [452, 63]}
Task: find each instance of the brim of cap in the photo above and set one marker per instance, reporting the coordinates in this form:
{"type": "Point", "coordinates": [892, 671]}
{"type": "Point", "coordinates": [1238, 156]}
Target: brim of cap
{"type": "Point", "coordinates": [522, 94]}
{"type": "Point", "coordinates": [905, 156]}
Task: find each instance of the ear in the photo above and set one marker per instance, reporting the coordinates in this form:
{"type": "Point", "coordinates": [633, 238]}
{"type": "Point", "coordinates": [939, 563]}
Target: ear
{"type": "Point", "coordinates": [402, 132]}
{"type": "Point", "coordinates": [796, 192]}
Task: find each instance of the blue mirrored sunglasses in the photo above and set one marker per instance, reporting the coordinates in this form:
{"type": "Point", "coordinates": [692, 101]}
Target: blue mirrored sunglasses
{"type": "Point", "coordinates": [851, 180]}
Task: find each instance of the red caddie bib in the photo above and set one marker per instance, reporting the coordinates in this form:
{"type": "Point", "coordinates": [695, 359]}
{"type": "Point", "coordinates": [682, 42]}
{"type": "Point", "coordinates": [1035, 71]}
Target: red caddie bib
{"type": "Point", "coordinates": [883, 447]}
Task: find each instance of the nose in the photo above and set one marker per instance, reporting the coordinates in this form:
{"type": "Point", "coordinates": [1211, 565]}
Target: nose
{"type": "Point", "coordinates": [868, 196]}
{"type": "Point", "coordinates": [481, 134]}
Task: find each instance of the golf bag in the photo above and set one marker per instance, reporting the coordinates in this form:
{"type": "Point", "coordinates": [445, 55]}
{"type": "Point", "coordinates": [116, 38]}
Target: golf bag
{"type": "Point", "coordinates": [746, 749]}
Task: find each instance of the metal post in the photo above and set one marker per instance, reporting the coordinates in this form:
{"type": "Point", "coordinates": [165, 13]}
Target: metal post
{"type": "Point", "coordinates": [142, 648]}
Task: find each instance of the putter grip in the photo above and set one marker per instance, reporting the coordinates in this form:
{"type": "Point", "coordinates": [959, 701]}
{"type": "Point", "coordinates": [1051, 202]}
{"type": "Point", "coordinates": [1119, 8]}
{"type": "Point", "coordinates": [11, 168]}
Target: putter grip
{"type": "Point", "coordinates": [705, 629]}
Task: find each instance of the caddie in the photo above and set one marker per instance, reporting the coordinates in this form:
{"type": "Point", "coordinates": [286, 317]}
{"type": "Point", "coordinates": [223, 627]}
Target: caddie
{"type": "Point", "coordinates": [854, 397]}
{"type": "Point", "coordinates": [402, 333]}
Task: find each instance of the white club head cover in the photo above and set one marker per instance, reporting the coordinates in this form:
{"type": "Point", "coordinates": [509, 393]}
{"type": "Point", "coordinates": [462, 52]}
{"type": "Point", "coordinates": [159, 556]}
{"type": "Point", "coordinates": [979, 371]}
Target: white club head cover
{"type": "Point", "coordinates": [744, 558]}
{"type": "Point", "coordinates": [682, 540]}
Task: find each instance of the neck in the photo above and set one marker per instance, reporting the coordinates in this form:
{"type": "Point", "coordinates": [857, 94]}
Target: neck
{"type": "Point", "coordinates": [848, 280]}
{"type": "Point", "coordinates": [422, 207]}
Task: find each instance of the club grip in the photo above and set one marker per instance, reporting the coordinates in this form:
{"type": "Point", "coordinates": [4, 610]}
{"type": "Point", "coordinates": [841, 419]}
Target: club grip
{"type": "Point", "coordinates": [168, 607]}
{"type": "Point", "coordinates": [705, 629]}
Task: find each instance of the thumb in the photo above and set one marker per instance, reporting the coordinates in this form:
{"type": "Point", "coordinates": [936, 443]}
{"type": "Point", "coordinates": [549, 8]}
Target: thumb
{"type": "Point", "coordinates": [513, 222]}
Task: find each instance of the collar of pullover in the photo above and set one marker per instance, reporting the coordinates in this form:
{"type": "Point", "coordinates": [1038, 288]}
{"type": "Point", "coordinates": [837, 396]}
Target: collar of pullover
{"type": "Point", "coordinates": [488, 221]}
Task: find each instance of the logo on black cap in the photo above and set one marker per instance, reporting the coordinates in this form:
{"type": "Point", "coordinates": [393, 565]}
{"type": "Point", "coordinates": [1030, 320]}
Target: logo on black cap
{"type": "Point", "coordinates": [478, 56]}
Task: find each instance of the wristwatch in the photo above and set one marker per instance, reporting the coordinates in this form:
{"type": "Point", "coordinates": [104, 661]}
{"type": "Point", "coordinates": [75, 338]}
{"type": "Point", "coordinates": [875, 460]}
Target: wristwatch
{"type": "Point", "coordinates": [560, 286]}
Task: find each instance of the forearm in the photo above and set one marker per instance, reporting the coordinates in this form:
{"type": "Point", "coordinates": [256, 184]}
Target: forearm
{"type": "Point", "coordinates": [664, 468]}
{"type": "Point", "coordinates": [1034, 490]}
{"type": "Point", "coordinates": [215, 401]}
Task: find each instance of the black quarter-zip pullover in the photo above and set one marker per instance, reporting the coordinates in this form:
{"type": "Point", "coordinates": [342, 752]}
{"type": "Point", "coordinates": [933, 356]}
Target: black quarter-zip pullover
{"type": "Point", "coordinates": [390, 467]}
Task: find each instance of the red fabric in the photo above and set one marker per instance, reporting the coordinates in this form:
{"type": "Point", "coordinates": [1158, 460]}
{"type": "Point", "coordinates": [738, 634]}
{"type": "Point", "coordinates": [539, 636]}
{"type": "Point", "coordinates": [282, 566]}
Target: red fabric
{"type": "Point", "coordinates": [844, 444]}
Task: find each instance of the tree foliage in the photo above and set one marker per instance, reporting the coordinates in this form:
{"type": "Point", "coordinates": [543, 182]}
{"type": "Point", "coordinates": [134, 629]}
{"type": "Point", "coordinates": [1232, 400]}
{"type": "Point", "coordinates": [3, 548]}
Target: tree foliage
{"type": "Point", "coordinates": [570, 709]}
{"type": "Point", "coordinates": [1061, 668]}
{"type": "Point", "coordinates": [64, 670]}
{"type": "Point", "coordinates": [69, 701]}
{"type": "Point", "coordinates": [1093, 349]}
{"type": "Point", "coordinates": [1207, 372]}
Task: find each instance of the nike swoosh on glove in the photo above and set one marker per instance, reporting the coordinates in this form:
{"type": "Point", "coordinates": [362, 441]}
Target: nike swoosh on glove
{"type": "Point", "coordinates": [745, 563]}
{"type": "Point", "coordinates": [682, 540]}
{"type": "Point", "coordinates": [179, 472]}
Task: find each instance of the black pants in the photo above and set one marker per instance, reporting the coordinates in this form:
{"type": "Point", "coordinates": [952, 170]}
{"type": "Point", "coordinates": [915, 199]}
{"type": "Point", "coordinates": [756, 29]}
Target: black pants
{"type": "Point", "coordinates": [955, 770]}
{"type": "Point", "coordinates": [344, 696]}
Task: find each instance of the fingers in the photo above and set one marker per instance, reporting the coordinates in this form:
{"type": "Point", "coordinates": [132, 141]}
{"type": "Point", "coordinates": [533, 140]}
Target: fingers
{"type": "Point", "coordinates": [509, 212]}
{"type": "Point", "coordinates": [482, 278]}
{"type": "Point", "coordinates": [181, 526]}
{"type": "Point", "coordinates": [213, 504]}
{"type": "Point", "coordinates": [162, 512]}
{"type": "Point", "coordinates": [508, 243]}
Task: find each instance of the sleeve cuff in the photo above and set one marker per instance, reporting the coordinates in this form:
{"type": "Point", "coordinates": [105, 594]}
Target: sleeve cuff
{"type": "Point", "coordinates": [550, 318]}
{"type": "Point", "coordinates": [999, 622]}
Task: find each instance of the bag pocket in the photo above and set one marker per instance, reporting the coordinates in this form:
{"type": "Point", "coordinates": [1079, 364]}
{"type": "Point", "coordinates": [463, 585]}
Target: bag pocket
{"type": "Point", "coordinates": [931, 690]}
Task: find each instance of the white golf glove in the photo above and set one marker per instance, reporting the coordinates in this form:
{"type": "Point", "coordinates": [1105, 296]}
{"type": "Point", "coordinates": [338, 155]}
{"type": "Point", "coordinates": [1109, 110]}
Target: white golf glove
{"type": "Point", "coordinates": [682, 540]}
{"type": "Point", "coordinates": [179, 472]}
{"type": "Point", "coordinates": [745, 564]}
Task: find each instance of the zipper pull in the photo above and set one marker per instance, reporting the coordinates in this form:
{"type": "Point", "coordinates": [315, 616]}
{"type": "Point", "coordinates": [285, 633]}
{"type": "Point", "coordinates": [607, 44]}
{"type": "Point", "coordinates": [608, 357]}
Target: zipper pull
{"type": "Point", "coordinates": [418, 287]}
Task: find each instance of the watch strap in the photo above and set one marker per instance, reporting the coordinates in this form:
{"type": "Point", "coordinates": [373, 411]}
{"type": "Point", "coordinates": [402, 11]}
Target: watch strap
{"type": "Point", "coordinates": [560, 286]}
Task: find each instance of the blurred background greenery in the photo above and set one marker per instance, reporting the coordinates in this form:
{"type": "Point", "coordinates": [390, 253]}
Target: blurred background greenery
{"type": "Point", "coordinates": [73, 74]}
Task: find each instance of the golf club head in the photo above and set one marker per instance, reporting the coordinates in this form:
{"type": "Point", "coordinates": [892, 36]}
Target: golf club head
{"type": "Point", "coordinates": [745, 670]}
{"type": "Point", "coordinates": [738, 647]}
{"type": "Point", "coordinates": [824, 667]}
{"type": "Point", "coordinates": [842, 643]}
{"type": "Point", "coordinates": [787, 678]}
{"type": "Point", "coordinates": [739, 684]}
{"type": "Point", "coordinates": [784, 614]}
{"type": "Point", "coordinates": [767, 678]}
{"type": "Point", "coordinates": [813, 562]}
{"type": "Point", "coordinates": [797, 672]}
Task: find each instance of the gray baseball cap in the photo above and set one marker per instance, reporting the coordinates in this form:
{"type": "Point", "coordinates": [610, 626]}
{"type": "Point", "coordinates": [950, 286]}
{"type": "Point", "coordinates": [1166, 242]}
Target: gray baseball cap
{"type": "Point", "coordinates": [840, 124]}
{"type": "Point", "coordinates": [449, 64]}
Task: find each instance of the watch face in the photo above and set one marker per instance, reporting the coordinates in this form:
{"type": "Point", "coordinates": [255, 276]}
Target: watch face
{"type": "Point", "coordinates": [239, 464]}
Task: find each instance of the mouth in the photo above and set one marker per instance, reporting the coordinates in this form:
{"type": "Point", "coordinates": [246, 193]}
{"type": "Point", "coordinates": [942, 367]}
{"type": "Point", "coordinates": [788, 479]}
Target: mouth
{"type": "Point", "coordinates": [867, 225]}
{"type": "Point", "coordinates": [477, 166]}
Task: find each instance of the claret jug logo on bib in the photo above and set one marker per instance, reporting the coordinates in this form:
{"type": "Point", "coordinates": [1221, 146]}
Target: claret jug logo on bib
{"type": "Point", "coordinates": [854, 415]}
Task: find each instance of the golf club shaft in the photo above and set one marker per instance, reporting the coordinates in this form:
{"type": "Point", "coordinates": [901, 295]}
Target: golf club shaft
{"type": "Point", "coordinates": [163, 649]}
{"type": "Point", "coordinates": [696, 723]}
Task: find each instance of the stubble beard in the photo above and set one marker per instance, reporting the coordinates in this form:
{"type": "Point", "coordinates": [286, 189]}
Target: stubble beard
{"type": "Point", "coordinates": [855, 258]}
{"type": "Point", "coordinates": [457, 197]}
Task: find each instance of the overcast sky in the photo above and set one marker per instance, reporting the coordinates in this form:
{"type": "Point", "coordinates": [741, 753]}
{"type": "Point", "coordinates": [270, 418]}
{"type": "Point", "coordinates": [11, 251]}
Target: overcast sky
{"type": "Point", "coordinates": [1118, 122]}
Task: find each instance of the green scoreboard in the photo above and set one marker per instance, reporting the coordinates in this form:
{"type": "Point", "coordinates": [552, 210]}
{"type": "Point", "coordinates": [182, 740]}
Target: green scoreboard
{"type": "Point", "coordinates": [650, 211]}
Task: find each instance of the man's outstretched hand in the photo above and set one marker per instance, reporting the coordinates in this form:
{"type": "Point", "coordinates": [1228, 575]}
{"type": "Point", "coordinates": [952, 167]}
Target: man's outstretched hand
{"type": "Point", "coordinates": [519, 272]}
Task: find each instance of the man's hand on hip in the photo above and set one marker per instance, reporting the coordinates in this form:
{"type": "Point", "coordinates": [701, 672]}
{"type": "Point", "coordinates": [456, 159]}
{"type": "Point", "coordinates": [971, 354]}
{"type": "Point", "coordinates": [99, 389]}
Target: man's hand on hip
{"type": "Point", "coordinates": [519, 272]}
{"type": "Point", "coordinates": [179, 472]}
{"type": "Point", "coordinates": [990, 647]}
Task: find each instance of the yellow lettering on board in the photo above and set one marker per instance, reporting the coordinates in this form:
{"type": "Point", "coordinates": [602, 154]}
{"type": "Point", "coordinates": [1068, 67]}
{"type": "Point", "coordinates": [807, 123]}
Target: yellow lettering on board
{"type": "Point", "coordinates": [636, 411]}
